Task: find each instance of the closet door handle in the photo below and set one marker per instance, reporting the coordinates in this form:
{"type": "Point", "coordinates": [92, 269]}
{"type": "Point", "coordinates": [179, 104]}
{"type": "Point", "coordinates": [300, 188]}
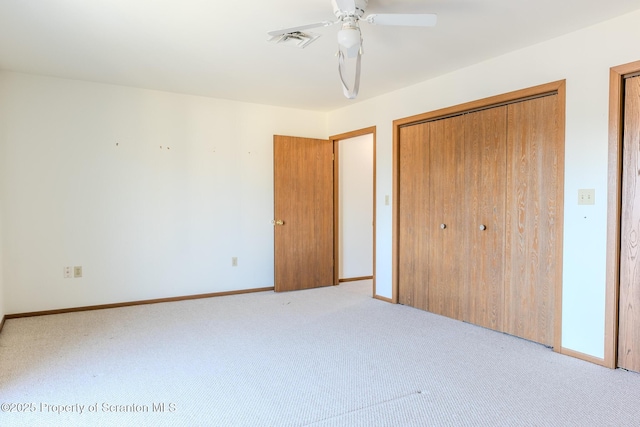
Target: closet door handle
{"type": "Point", "coordinates": [483, 227]}
{"type": "Point", "coordinates": [443, 226]}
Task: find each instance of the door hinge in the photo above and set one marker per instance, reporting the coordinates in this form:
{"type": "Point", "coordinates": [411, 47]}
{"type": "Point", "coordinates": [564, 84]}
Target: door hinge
{"type": "Point", "coordinates": [333, 157]}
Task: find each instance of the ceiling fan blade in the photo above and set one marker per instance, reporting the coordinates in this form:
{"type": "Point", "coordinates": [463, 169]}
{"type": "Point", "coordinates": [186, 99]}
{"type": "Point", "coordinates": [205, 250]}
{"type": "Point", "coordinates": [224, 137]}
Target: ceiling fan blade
{"type": "Point", "coordinates": [409, 20]}
{"type": "Point", "coordinates": [346, 5]}
{"type": "Point", "coordinates": [276, 33]}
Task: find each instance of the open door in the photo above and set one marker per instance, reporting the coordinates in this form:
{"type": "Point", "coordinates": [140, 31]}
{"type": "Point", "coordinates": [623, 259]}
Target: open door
{"type": "Point", "coordinates": [303, 213]}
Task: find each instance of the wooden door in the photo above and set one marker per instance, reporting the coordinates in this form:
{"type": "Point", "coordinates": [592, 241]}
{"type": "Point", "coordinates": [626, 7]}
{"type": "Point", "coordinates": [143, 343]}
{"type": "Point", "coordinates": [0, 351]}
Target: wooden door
{"type": "Point", "coordinates": [629, 305]}
{"type": "Point", "coordinates": [534, 222]}
{"type": "Point", "coordinates": [485, 165]}
{"type": "Point", "coordinates": [447, 216]}
{"type": "Point", "coordinates": [303, 202]}
{"type": "Point", "coordinates": [413, 211]}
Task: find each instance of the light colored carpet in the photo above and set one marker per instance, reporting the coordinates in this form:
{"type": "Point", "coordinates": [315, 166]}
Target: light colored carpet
{"type": "Point", "coordinates": [325, 357]}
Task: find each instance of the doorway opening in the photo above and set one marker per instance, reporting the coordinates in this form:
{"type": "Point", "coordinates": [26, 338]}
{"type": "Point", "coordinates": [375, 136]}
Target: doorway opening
{"type": "Point", "coordinates": [354, 206]}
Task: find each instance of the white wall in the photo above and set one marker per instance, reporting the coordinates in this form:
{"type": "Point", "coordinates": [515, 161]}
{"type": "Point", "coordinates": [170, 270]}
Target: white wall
{"type": "Point", "coordinates": [355, 180]}
{"type": "Point", "coordinates": [582, 58]}
{"type": "Point", "coordinates": [152, 193]}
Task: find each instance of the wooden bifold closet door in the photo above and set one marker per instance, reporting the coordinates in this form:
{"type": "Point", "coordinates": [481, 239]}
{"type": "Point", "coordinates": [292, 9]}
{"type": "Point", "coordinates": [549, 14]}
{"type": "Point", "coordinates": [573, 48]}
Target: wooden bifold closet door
{"type": "Point", "coordinates": [446, 224]}
{"type": "Point", "coordinates": [485, 187]}
{"type": "Point", "coordinates": [533, 224]}
{"type": "Point", "coordinates": [477, 231]}
{"type": "Point", "coordinates": [467, 187]}
{"type": "Point", "coordinates": [414, 235]}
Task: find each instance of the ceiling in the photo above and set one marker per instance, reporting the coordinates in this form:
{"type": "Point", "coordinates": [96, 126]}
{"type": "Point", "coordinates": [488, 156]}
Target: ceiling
{"type": "Point", "coordinates": [219, 48]}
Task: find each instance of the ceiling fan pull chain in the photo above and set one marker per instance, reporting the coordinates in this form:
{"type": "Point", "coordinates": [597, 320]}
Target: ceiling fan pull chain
{"type": "Point", "coordinates": [349, 93]}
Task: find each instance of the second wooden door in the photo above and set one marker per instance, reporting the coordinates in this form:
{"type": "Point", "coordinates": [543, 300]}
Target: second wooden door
{"type": "Point", "coordinates": [629, 306]}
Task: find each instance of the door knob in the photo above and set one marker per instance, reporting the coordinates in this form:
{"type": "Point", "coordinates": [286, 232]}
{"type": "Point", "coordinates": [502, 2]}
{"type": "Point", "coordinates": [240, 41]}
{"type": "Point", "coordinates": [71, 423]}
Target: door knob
{"type": "Point", "coordinates": [443, 226]}
{"type": "Point", "coordinates": [278, 222]}
{"type": "Point", "coordinates": [483, 227]}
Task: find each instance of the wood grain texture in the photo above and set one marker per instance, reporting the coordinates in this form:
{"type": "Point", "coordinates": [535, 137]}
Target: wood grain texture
{"type": "Point", "coordinates": [533, 226]}
{"type": "Point", "coordinates": [446, 171]}
{"type": "Point", "coordinates": [484, 205]}
{"type": "Point", "coordinates": [464, 268]}
{"type": "Point", "coordinates": [614, 191]}
{"type": "Point", "coordinates": [303, 199]}
{"type": "Point", "coordinates": [629, 306]}
{"type": "Point", "coordinates": [413, 216]}
{"type": "Point", "coordinates": [614, 203]}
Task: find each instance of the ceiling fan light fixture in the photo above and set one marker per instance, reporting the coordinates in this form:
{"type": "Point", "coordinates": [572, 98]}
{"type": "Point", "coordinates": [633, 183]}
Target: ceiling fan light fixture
{"type": "Point", "coordinates": [349, 37]}
{"type": "Point", "coordinates": [350, 40]}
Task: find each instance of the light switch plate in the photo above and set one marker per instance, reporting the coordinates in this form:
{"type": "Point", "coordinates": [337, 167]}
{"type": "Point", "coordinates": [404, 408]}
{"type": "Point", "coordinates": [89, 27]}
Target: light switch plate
{"type": "Point", "coordinates": [587, 196]}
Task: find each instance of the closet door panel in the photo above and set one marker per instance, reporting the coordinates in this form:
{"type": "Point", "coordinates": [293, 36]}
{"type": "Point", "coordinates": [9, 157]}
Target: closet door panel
{"type": "Point", "coordinates": [629, 313]}
{"type": "Point", "coordinates": [447, 217]}
{"type": "Point", "coordinates": [533, 226]}
{"type": "Point", "coordinates": [484, 209]}
{"type": "Point", "coordinates": [413, 230]}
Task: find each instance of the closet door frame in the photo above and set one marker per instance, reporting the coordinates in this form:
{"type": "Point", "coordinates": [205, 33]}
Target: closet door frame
{"type": "Point", "coordinates": [557, 88]}
{"type": "Point", "coordinates": [614, 210]}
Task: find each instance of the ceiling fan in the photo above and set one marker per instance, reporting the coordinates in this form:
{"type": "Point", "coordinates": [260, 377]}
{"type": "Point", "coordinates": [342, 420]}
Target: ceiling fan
{"type": "Point", "coordinates": [349, 14]}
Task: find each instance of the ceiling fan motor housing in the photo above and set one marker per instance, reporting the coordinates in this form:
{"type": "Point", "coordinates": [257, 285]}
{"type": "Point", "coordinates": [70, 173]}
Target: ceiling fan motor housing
{"type": "Point", "coordinates": [341, 13]}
